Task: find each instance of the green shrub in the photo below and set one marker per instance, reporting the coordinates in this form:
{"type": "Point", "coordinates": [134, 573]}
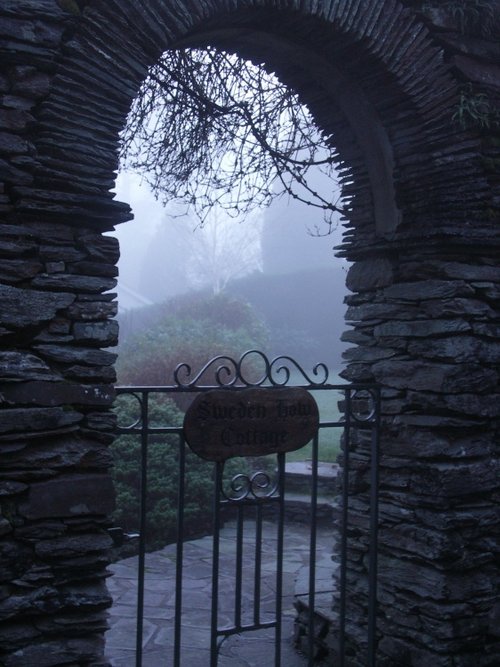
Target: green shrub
{"type": "Point", "coordinates": [163, 454]}
{"type": "Point", "coordinates": [163, 477]}
{"type": "Point", "coordinates": [193, 331]}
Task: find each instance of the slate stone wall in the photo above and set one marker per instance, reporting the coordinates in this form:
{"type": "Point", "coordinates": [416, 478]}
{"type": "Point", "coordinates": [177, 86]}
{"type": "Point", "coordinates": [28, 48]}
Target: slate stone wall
{"type": "Point", "coordinates": [425, 316]}
{"type": "Point", "coordinates": [424, 308]}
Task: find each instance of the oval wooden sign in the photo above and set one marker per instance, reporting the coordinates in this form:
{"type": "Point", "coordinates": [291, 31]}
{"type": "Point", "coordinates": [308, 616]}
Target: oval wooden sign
{"type": "Point", "coordinates": [221, 423]}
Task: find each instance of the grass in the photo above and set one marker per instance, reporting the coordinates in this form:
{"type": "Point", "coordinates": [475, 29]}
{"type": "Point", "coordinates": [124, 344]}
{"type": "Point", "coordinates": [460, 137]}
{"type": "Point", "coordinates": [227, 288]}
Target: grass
{"type": "Point", "coordinates": [329, 438]}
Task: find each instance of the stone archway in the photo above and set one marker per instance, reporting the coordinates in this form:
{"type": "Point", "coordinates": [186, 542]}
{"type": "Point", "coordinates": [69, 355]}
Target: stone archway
{"type": "Point", "coordinates": [425, 287]}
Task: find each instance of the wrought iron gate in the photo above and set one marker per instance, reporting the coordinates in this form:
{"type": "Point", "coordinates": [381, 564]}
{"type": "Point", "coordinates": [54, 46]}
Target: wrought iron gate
{"type": "Point", "coordinates": [259, 494]}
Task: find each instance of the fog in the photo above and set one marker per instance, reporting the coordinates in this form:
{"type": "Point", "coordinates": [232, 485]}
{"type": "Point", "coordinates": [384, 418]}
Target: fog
{"type": "Point", "coordinates": [274, 259]}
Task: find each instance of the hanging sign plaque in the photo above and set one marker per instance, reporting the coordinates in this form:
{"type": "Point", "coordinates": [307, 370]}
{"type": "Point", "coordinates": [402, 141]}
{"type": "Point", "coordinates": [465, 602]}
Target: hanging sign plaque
{"type": "Point", "coordinates": [221, 423]}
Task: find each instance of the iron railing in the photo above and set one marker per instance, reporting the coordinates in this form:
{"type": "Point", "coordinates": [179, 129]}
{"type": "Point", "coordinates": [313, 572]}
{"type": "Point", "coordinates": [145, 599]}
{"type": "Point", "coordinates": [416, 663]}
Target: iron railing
{"type": "Point", "coordinates": [359, 412]}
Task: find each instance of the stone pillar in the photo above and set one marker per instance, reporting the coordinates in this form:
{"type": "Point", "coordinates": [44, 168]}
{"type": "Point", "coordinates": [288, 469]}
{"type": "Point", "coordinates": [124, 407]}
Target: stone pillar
{"type": "Point", "coordinates": [55, 380]}
{"type": "Point", "coordinates": [426, 325]}
{"type": "Point", "coordinates": [55, 429]}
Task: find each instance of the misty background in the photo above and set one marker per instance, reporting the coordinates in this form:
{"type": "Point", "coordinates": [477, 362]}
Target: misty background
{"type": "Point", "coordinates": [273, 259]}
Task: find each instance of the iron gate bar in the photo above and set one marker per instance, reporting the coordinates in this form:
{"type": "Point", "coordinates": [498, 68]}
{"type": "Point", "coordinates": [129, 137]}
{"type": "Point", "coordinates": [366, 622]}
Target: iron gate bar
{"type": "Point", "coordinates": [343, 538]}
{"type": "Point", "coordinates": [373, 554]}
{"type": "Point", "coordinates": [144, 403]}
{"type": "Point", "coordinates": [214, 646]}
{"type": "Point", "coordinates": [239, 568]}
{"type": "Point", "coordinates": [279, 558]}
{"type": "Point", "coordinates": [179, 554]}
{"type": "Point", "coordinates": [230, 375]}
{"type": "Point", "coordinates": [258, 565]}
{"type": "Point", "coordinates": [312, 549]}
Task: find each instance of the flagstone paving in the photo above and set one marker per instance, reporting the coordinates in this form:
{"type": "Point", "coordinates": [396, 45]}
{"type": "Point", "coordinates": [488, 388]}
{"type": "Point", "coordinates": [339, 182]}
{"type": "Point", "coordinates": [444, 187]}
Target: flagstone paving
{"type": "Point", "coordinates": [251, 649]}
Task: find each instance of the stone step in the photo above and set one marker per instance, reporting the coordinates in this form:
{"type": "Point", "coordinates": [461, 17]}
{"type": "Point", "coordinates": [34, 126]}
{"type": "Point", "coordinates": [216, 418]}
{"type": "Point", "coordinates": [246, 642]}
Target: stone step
{"type": "Point", "coordinates": [298, 507]}
{"type": "Point", "coordinates": [298, 476]}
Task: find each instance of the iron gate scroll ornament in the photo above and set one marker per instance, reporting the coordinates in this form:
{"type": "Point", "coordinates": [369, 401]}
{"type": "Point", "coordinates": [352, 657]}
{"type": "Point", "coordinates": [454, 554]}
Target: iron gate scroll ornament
{"type": "Point", "coordinates": [221, 424]}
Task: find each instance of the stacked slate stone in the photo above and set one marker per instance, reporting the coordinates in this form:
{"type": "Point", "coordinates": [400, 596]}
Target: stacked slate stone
{"type": "Point", "coordinates": [57, 270]}
{"type": "Point", "coordinates": [425, 318]}
{"type": "Point", "coordinates": [433, 339]}
{"type": "Point", "coordinates": [55, 430]}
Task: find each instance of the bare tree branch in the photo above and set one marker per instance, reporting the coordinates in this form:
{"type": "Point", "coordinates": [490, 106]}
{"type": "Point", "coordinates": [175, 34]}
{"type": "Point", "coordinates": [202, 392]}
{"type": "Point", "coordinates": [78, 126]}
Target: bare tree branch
{"type": "Point", "coordinates": [211, 129]}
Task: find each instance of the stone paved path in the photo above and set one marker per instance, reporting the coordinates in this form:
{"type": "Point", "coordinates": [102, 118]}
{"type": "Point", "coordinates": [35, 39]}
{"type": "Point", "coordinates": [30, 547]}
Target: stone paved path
{"type": "Point", "coordinates": [254, 649]}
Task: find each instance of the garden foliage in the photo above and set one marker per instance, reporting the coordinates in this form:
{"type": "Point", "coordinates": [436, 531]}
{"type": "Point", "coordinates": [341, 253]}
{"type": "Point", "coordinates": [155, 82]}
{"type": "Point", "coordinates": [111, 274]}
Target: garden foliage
{"type": "Point", "coordinates": [193, 330]}
{"type": "Point", "coordinates": [163, 454]}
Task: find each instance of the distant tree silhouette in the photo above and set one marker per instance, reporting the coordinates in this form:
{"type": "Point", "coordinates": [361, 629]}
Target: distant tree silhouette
{"type": "Point", "coordinates": [184, 255]}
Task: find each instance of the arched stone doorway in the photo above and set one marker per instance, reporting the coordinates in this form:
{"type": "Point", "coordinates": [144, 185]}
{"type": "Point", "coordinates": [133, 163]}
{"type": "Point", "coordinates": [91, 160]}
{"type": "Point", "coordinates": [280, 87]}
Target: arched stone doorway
{"type": "Point", "coordinates": [425, 285]}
